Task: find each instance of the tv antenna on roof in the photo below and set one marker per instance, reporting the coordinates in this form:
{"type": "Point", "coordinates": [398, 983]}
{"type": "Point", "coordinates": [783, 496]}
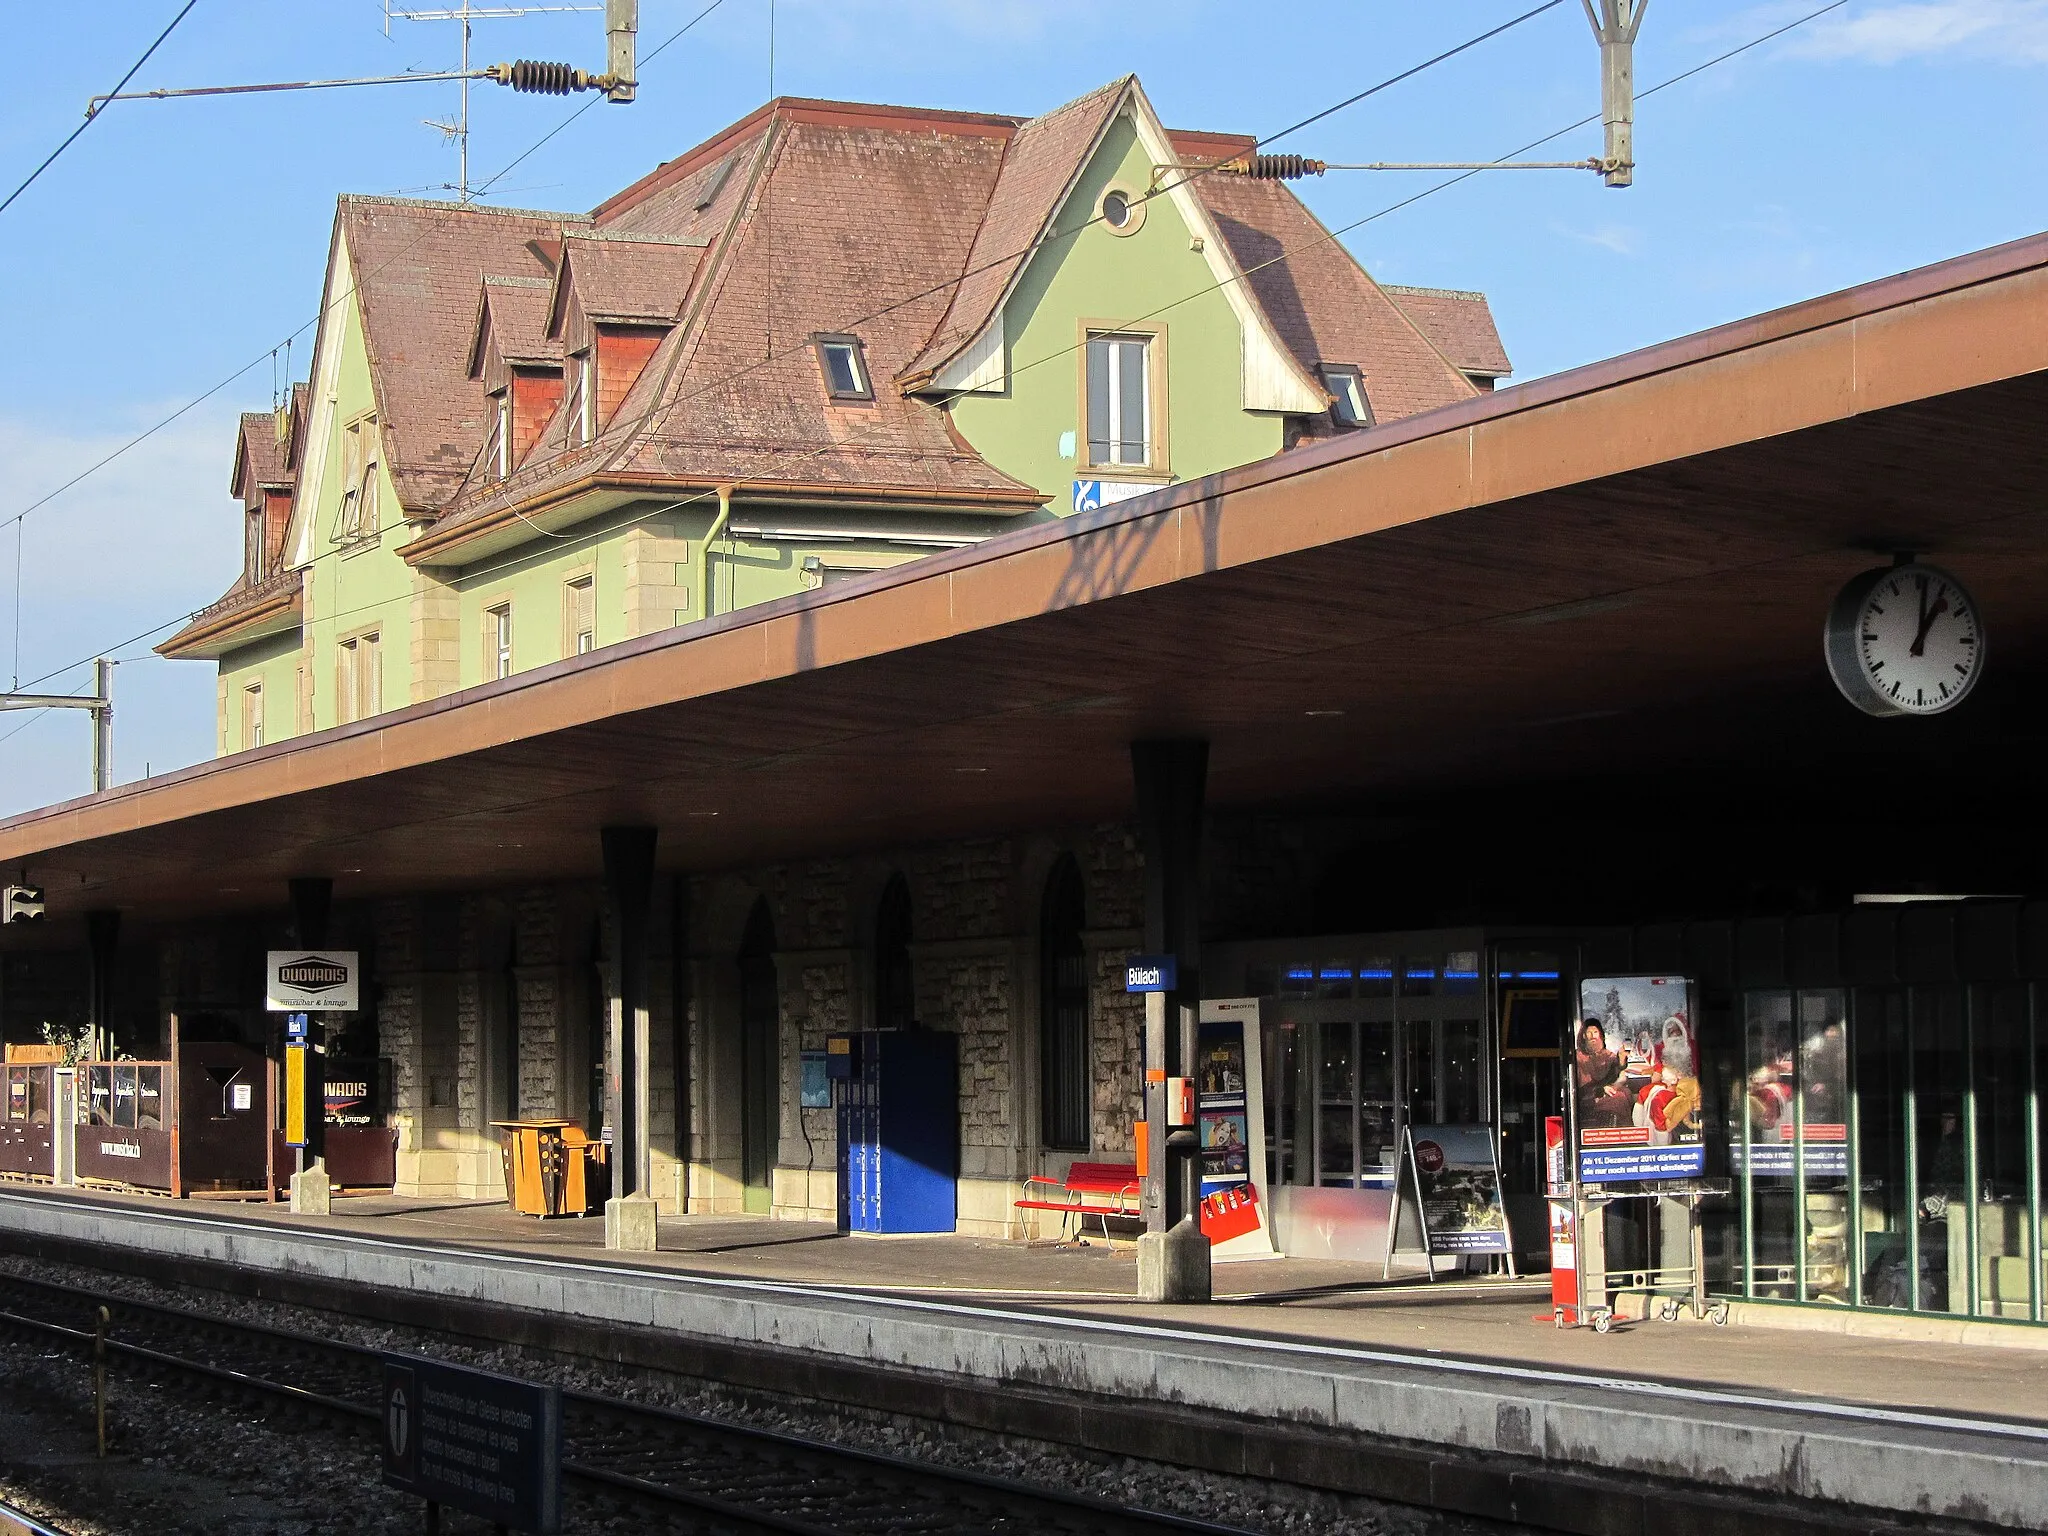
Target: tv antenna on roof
{"type": "Point", "coordinates": [620, 24]}
{"type": "Point", "coordinates": [619, 82]}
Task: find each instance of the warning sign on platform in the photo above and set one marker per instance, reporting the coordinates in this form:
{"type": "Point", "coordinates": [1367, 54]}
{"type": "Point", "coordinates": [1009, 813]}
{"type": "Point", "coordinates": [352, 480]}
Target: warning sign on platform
{"type": "Point", "coordinates": [488, 1445]}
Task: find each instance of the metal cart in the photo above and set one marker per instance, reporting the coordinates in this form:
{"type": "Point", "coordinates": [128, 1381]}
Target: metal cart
{"type": "Point", "coordinates": [1667, 1290]}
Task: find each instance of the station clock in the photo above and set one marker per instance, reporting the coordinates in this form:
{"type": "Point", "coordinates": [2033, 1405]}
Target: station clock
{"type": "Point", "coordinates": [1905, 639]}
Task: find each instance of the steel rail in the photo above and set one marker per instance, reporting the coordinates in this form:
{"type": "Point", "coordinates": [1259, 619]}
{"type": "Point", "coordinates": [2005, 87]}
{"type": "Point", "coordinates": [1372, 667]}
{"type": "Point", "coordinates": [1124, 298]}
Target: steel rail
{"type": "Point", "coordinates": [14, 1517]}
{"type": "Point", "coordinates": [676, 1433]}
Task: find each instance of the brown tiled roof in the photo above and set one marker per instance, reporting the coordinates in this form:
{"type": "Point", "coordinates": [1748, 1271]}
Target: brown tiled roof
{"type": "Point", "coordinates": [512, 312]}
{"type": "Point", "coordinates": [845, 216]}
{"type": "Point", "coordinates": [904, 227]}
{"type": "Point", "coordinates": [1459, 322]}
{"type": "Point", "coordinates": [624, 278]}
{"type": "Point", "coordinates": [1040, 165]}
{"type": "Point", "coordinates": [417, 267]}
{"type": "Point", "coordinates": [240, 604]}
{"type": "Point", "coordinates": [1322, 303]}
{"type": "Point", "coordinates": [257, 445]}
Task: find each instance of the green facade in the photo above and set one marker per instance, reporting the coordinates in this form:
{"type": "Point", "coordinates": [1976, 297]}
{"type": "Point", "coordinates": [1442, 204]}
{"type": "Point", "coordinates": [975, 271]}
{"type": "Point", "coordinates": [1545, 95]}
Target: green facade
{"type": "Point", "coordinates": [1154, 279]}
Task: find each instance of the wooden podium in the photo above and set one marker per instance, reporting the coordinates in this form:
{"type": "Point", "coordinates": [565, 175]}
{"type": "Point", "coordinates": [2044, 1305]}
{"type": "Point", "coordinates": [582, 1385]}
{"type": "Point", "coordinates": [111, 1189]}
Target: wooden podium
{"type": "Point", "coordinates": [552, 1168]}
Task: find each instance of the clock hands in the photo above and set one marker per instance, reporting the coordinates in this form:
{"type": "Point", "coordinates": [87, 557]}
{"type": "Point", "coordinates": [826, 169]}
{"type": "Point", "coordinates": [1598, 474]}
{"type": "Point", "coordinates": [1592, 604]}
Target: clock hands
{"type": "Point", "coordinates": [1927, 617]}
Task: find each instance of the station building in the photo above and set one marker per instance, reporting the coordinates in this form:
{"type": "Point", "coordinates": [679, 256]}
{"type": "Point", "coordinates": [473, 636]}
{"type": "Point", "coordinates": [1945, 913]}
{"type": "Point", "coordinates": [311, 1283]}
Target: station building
{"type": "Point", "coordinates": [1521, 690]}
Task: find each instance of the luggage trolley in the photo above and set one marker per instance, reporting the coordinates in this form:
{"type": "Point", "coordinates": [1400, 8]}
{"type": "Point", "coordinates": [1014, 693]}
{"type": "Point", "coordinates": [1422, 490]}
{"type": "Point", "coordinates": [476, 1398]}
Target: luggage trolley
{"type": "Point", "coordinates": [1667, 1290]}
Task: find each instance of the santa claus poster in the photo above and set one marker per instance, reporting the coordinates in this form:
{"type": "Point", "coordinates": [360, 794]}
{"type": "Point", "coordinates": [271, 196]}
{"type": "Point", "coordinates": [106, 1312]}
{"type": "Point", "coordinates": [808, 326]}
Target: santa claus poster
{"type": "Point", "coordinates": [1635, 1080]}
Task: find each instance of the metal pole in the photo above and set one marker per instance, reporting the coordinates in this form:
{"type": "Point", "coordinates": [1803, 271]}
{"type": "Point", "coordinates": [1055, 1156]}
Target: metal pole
{"type": "Point", "coordinates": [102, 724]}
{"type": "Point", "coordinates": [1615, 24]}
{"type": "Point", "coordinates": [99, 1376]}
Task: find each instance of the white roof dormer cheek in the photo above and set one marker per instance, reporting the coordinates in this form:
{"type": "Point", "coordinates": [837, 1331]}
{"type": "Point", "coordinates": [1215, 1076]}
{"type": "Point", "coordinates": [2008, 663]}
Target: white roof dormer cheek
{"type": "Point", "coordinates": [1272, 379]}
{"type": "Point", "coordinates": [983, 368]}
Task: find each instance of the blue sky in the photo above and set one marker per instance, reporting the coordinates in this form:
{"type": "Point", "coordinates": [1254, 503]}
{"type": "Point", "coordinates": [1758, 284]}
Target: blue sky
{"type": "Point", "coordinates": [176, 241]}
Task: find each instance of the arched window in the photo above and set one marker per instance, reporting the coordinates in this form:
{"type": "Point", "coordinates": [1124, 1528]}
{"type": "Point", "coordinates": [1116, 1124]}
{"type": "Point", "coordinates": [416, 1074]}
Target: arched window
{"type": "Point", "coordinates": [1064, 1076]}
{"type": "Point", "coordinates": [895, 985]}
{"type": "Point", "coordinates": [760, 1031]}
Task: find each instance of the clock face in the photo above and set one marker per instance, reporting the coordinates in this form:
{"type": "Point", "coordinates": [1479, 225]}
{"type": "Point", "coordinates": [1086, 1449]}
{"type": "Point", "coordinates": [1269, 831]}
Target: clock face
{"type": "Point", "coordinates": [1905, 640]}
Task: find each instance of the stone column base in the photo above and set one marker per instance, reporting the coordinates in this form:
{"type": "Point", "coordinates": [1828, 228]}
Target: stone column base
{"type": "Point", "coordinates": [312, 1194]}
{"type": "Point", "coordinates": [1174, 1265]}
{"type": "Point", "coordinates": [629, 1223]}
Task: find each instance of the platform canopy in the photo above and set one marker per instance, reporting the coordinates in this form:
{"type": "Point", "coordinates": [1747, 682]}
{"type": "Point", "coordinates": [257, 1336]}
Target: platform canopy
{"type": "Point", "coordinates": [1629, 560]}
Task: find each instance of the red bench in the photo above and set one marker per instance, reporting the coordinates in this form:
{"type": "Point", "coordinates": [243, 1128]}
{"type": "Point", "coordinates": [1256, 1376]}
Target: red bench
{"type": "Point", "coordinates": [1102, 1190]}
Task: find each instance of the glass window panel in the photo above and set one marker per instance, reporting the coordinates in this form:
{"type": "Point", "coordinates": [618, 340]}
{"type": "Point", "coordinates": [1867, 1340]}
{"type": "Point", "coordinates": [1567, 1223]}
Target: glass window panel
{"type": "Point", "coordinates": [1940, 1085]}
{"type": "Point", "coordinates": [1131, 412]}
{"type": "Point", "coordinates": [124, 1097]}
{"type": "Point", "coordinates": [1376, 976]}
{"type": "Point", "coordinates": [1824, 1141]}
{"type": "Point", "coordinates": [1464, 1097]}
{"type": "Point", "coordinates": [39, 1085]}
{"type": "Point", "coordinates": [1333, 979]}
{"type": "Point", "coordinates": [1771, 1085]}
{"type": "Point", "coordinates": [1418, 976]}
{"type": "Point", "coordinates": [17, 1093]}
{"type": "Point", "coordinates": [100, 1092]}
{"type": "Point", "coordinates": [1883, 1198]}
{"type": "Point", "coordinates": [1418, 1063]}
{"type": "Point", "coordinates": [1297, 979]}
{"type": "Point", "coordinates": [1280, 1074]}
{"type": "Point", "coordinates": [1098, 401]}
{"type": "Point", "coordinates": [1999, 1052]}
{"type": "Point", "coordinates": [1378, 1146]}
{"type": "Point", "coordinates": [1336, 1088]}
{"type": "Point", "coordinates": [149, 1109]}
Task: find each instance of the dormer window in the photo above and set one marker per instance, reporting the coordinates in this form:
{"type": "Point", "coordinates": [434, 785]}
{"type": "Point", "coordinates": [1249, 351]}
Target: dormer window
{"type": "Point", "coordinates": [497, 460]}
{"type": "Point", "coordinates": [1348, 405]}
{"type": "Point", "coordinates": [844, 366]}
{"type": "Point", "coordinates": [583, 396]}
{"type": "Point", "coordinates": [358, 520]}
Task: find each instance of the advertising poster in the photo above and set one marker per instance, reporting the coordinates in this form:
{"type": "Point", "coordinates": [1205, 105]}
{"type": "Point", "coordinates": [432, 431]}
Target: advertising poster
{"type": "Point", "coordinates": [1457, 1185]}
{"type": "Point", "coordinates": [1635, 1081]}
{"type": "Point", "coordinates": [1229, 1128]}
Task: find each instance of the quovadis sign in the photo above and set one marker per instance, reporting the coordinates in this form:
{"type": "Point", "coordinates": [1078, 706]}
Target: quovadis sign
{"type": "Point", "coordinates": [312, 981]}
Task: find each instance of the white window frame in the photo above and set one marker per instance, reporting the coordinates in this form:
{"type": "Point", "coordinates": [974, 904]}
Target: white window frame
{"type": "Point", "coordinates": [498, 641]}
{"type": "Point", "coordinates": [579, 603]}
{"type": "Point", "coordinates": [583, 407]}
{"type": "Point", "coordinates": [1111, 344]}
{"type": "Point", "coordinates": [357, 522]}
{"type": "Point", "coordinates": [359, 676]}
{"type": "Point", "coordinates": [252, 717]}
{"type": "Point", "coordinates": [1349, 405]}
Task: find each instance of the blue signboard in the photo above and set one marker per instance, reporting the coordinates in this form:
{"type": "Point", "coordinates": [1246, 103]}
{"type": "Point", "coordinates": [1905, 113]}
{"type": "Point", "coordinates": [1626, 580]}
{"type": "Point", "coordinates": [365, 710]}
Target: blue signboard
{"type": "Point", "coordinates": [1615, 1165]}
{"type": "Point", "coordinates": [488, 1445]}
{"type": "Point", "coordinates": [1151, 973]}
{"type": "Point", "coordinates": [295, 1025]}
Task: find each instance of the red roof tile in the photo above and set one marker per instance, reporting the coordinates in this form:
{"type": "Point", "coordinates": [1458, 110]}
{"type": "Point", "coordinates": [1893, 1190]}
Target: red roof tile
{"type": "Point", "coordinates": [1323, 304]}
{"type": "Point", "coordinates": [512, 317]}
{"type": "Point", "coordinates": [1459, 322]}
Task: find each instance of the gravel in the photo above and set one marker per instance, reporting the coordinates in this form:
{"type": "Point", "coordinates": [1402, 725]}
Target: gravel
{"type": "Point", "coordinates": [198, 1467]}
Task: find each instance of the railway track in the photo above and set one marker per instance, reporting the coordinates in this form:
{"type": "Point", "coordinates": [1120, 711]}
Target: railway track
{"type": "Point", "coordinates": [700, 1473]}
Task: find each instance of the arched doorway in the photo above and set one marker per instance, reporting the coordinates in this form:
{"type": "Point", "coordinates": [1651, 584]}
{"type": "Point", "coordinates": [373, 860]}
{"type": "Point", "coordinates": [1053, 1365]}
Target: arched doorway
{"type": "Point", "coordinates": [1064, 1075]}
{"type": "Point", "coordinates": [760, 1028]}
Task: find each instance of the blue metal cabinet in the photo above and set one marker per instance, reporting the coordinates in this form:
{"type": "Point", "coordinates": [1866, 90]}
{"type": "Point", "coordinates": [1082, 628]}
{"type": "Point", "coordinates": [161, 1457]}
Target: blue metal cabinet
{"type": "Point", "coordinates": [899, 1132]}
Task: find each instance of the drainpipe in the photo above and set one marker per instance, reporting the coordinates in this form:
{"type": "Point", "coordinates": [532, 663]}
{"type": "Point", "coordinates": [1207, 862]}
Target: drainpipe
{"type": "Point", "coordinates": [717, 527]}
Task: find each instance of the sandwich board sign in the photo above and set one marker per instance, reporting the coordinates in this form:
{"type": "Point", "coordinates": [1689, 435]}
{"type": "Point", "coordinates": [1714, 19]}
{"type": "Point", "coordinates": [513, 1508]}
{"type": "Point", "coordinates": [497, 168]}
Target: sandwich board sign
{"type": "Point", "coordinates": [312, 981]}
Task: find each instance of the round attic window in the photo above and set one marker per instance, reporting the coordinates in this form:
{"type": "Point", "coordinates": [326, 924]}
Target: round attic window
{"type": "Point", "coordinates": [1121, 212]}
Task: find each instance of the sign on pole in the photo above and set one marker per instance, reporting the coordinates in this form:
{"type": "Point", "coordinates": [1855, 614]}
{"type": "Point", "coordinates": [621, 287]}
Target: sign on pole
{"type": "Point", "coordinates": [1151, 973]}
{"type": "Point", "coordinates": [295, 1122]}
{"type": "Point", "coordinates": [316, 980]}
{"type": "Point", "coordinates": [488, 1445]}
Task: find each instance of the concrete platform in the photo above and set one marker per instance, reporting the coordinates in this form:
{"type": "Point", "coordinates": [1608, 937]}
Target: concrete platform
{"type": "Point", "coordinates": [1855, 1429]}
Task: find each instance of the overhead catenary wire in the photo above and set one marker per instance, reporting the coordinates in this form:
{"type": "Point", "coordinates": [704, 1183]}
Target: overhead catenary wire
{"type": "Point", "coordinates": [1320, 237]}
{"type": "Point", "coordinates": [72, 137]}
{"type": "Point", "coordinates": [339, 299]}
